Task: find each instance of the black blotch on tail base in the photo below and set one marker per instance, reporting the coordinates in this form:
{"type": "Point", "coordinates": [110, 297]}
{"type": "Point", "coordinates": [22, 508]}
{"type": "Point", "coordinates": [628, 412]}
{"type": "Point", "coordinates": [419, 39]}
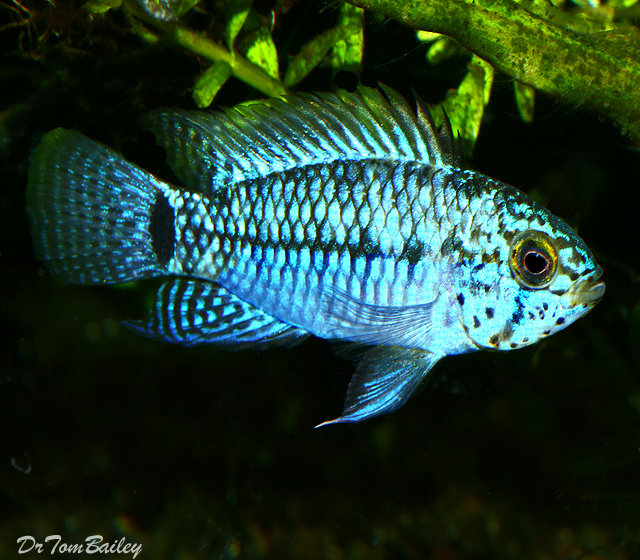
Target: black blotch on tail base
{"type": "Point", "coordinates": [162, 230]}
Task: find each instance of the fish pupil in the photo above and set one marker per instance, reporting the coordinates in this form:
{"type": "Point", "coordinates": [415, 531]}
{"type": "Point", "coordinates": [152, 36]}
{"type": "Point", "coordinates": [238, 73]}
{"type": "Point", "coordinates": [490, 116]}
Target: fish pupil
{"type": "Point", "coordinates": [535, 262]}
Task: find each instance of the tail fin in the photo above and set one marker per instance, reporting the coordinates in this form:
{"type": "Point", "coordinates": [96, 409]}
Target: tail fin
{"type": "Point", "coordinates": [96, 218]}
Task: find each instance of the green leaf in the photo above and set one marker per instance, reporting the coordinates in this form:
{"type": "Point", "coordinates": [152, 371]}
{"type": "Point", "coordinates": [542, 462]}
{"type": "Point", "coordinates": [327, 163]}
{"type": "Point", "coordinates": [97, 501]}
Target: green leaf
{"type": "Point", "coordinates": [348, 49]}
{"type": "Point", "coordinates": [525, 100]}
{"type": "Point", "coordinates": [208, 84]}
{"type": "Point", "coordinates": [622, 3]}
{"type": "Point", "coordinates": [443, 49]}
{"type": "Point", "coordinates": [262, 51]}
{"type": "Point", "coordinates": [143, 31]}
{"type": "Point", "coordinates": [309, 56]}
{"type": "Point", "coordinates": [427, 36]}
{"type": "Point", "coordinates": [236, 14]}
{"type": "Point", "coordinates": [242, 68]}
{"type": "Point", "coordinates": [101, 6]}
{"type": "Point", "coordinates": [181, 7]}
{"type": "Point", "coordinates": [345, 41]}
{"type": "Point", "coordinates": [465, 106]}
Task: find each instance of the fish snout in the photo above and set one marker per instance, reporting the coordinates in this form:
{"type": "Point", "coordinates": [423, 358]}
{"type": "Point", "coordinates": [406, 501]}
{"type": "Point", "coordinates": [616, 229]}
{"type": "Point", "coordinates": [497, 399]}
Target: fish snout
{"type": "Point", "coordinates": [588, 291]}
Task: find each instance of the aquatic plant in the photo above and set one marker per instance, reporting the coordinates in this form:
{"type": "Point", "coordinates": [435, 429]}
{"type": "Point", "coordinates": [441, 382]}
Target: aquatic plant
{"type": "Point", "coordinates": [584, 53]}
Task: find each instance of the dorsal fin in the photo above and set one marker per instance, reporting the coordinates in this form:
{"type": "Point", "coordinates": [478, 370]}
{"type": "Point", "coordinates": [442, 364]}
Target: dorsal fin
{"type": "Point", "coordinates": [209, 150]}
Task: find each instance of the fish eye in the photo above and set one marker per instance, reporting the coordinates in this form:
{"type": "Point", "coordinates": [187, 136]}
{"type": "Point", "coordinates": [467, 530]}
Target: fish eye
{"type": "Point", "coordinates": [534, 259]}
{"type": "Point", "coordinates": [536, 262]}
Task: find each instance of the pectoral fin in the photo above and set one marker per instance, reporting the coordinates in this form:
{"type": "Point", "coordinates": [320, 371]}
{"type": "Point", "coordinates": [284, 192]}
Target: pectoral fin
{"type": "Point", "coordinates": [385, 378]}
{"type": "Point", "coordinates": [407, 326]}
{"type": "Point", "coordinates": [195, 311]}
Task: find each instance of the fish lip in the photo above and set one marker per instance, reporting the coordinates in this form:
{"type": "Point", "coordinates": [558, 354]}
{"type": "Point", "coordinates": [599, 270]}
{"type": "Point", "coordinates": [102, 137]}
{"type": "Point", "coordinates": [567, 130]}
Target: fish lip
{"type": "Point", "coordinates": [592, 295]}
{"type": "Point", "coordinates": [590, 291]}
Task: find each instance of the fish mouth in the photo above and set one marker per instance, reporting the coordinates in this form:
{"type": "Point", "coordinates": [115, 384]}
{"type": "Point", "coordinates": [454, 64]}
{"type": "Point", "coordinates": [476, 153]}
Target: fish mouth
{"type": "Point", "coordinates": [589, 291]}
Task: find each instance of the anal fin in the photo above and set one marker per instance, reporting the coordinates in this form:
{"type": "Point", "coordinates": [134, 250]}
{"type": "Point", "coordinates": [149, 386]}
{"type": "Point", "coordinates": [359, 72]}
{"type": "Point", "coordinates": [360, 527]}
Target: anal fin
{"type": "Point", "coordinates": [384, 380]}
{"type": "Point", "coordinates": [192, 312]}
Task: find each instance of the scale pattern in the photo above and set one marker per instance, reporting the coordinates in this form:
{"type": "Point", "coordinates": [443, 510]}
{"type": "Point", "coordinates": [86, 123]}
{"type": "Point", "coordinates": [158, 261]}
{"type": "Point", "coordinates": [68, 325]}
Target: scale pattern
{"type": "Point", "coordinates": [376, 230]}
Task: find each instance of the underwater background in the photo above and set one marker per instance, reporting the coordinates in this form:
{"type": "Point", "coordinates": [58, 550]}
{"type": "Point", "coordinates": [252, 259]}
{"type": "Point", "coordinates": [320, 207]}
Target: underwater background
{"type": "Point", "coordinates": [201, 453]}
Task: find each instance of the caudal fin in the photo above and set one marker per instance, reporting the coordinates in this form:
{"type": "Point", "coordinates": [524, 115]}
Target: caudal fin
{"type": "Point", "coordinates": [96, 218]}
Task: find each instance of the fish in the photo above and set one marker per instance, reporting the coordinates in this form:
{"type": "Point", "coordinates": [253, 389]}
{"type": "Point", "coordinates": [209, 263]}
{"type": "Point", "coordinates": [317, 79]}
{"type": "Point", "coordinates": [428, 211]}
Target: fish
{"type": "Point", "coordinates": [348, 216]}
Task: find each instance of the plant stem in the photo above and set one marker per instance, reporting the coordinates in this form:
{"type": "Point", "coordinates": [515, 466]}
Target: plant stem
{"type": "Point", "coordinates": [199, 44]}
{"type": "Point", "coordinates": [241, 68]}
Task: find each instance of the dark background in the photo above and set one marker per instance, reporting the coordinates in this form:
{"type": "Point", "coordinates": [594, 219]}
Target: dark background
{"type": "Point", "coordinates": [203, 453]}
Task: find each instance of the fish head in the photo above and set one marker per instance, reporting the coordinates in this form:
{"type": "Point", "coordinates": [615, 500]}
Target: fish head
{"type": "Point", "coordinates": [543, 279]}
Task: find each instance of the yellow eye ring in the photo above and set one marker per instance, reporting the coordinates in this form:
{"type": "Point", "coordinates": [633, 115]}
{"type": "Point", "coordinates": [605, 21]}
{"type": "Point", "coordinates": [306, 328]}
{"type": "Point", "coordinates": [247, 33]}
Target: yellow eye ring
{"type": "Point", "coordinates": [534, 259]}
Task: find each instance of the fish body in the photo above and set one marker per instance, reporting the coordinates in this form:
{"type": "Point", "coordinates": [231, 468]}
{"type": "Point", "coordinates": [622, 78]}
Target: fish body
{"type": "Point", "coordinates": [345, 216]}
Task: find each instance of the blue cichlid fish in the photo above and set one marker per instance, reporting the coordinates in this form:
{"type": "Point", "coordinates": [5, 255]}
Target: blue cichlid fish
{"type": "Point", "coordinates": [347, 216]}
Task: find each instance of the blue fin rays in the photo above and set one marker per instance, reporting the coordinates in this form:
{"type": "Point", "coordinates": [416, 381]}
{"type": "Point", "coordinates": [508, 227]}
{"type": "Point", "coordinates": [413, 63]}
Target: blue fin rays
{"type": "Point", "coordinates": [385, 378]}
{"type": "Point", "coordinates": [209, 150]}
{"type": "Point", "coordinates": [92, 213]}
{"type": "Point", "coordinates": [192, 312]}
{"type": "Point", "coordinates": [352, 319]}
